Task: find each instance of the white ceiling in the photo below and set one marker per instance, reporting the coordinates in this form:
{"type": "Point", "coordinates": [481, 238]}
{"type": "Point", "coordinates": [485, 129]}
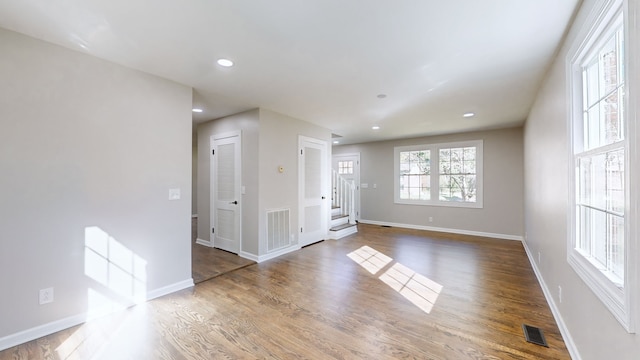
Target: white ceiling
{"type": "Point", "coordinates": [325, 61]}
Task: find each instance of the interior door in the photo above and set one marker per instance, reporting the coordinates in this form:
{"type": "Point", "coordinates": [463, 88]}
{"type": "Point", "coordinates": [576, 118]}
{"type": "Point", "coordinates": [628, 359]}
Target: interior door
{"type": "Point", "coordinates": [313, 190]}
{"type": "Point", "coordinates": [225, 191]}
{"type": "Point", "coordinates": [348, 166]}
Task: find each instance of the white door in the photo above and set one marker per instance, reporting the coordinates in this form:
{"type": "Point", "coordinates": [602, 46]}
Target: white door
{"type": "Point", "coordinates": [225, 191]}
{"type": "Point", "coordinates": [313, 190]}
{"type": "Point", "coordinates": [348, 166]}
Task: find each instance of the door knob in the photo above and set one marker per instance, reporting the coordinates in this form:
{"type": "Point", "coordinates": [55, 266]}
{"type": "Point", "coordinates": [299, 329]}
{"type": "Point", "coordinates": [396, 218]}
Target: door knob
{"type": "Point", "coordinates": [234, 202]}
{"type": "Point", "coordinates": [323, 198]}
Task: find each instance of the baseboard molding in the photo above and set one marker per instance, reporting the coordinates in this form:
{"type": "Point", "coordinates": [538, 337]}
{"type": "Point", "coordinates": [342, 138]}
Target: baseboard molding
{"type": "Point", "coordinates": [204, 242]}
{"type": "Point", "coordinates": [566, 335]}
{"type": "Point", "coordinates": [166, 290]}
{"type": "Point", "coordinates": [445, 230]}
{"type": "Point", "coordinates": [275, 254]}
{"type": "Point", "coordinates": [59, 325]}
{"type": "Point", "coordinates": [40, 331]}
{"type": "Point", "coordinates": [248, 256]}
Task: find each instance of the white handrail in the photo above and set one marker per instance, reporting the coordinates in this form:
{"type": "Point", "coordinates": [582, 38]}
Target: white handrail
{"type": "Point", "coordinates": [344, 196]}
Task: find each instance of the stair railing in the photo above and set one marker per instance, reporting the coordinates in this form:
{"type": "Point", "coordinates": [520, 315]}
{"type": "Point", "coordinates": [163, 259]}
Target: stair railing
{"type": "Point", "coordinates": [344, 196]}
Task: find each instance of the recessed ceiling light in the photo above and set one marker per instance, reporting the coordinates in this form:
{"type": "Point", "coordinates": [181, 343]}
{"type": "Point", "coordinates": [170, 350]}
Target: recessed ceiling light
{"type": "Point", "coordinates": [336, 142]}
{"type": "Point", "coordinates": [469, 114]}
{"type": "Point", "coordinates": [225, 62]}
{"type": "Point", "coordinates": [196, 110]}
{"type": "Point", "coordinates": [375, 127]}
{"type": "Point", "coordinates": [382, 96]}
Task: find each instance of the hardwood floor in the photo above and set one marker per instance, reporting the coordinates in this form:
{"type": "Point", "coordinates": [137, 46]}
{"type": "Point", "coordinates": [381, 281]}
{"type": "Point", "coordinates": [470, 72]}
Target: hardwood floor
{"type": "Point", "coordinates": [207, 262]}
{"type": "Point", "coordinates": [356, 298]}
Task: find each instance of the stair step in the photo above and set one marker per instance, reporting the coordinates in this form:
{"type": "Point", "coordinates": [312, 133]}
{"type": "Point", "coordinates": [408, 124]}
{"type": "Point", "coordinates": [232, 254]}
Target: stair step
{"type": "Point", "coordinates": [336, 217]}
{"type": "Point", "coordinates": [342, 227]}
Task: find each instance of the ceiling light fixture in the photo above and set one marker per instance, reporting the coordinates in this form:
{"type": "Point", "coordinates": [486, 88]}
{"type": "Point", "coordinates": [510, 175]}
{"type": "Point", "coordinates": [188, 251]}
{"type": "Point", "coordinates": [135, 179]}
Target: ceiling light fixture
{"type": "Point", "coordinates": [196, 110]}
{"type": "Point", "coordinates": [225, 62]}
{"type": "Point", "coordinates": [336, 142]}
{"type": "Point", "coordinates": [469, 114]}
{"type": "Point", "coordinates": [375, 127]}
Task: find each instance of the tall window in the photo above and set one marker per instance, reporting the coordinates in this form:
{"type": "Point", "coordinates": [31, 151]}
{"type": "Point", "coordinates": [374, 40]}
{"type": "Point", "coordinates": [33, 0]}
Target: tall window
{"type": "Point", "coordinates": [599, 153]}
{"type": "Point", "coordinates": [455, 179]}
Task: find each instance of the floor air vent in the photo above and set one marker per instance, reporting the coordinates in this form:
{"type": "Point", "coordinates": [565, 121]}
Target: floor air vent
{"type": "Point", "coordinates": [534, 335]}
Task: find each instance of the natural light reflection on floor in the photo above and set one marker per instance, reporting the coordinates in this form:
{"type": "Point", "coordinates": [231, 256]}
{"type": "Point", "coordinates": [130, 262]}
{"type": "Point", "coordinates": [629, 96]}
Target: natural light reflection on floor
{"type": "Point", "coordinates": [370, 259]}
{"type": "Point", "coordinates": [418, 289]}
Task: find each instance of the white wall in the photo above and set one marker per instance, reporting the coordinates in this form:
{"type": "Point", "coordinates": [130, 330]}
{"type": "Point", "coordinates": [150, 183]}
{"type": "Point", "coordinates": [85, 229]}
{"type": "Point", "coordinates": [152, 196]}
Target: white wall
{"type": "Point", "coordinates": [248, 123]}
{"type": "Point", "coordinates": [269, 140]}
{"type": "Point", "coordinates": [502, 213]}
{"type": "Point", "coordinates": [279, 136]}
{"type": "Point", "coordinates": [593, 330]}
{"type": "Point", "coordinates": [85, 144]}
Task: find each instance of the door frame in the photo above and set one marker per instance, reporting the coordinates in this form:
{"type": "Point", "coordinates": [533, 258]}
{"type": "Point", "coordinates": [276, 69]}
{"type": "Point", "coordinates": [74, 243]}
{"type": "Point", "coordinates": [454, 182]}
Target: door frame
{"type": "Point", "coordinates": [356, 173]}
{"type": "Point", "coordinates": [213, 185]}
{"type": "Point", "coordinates": [325, 187]}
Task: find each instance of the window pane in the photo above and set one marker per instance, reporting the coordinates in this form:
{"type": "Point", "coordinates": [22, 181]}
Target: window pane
{"type": "Point", "coordinates": [591, 87]}
{"type": "Point", "coordinates": [616, 234]}
{"type": "Point", "coordinates": [414, 168]}
{"type": "Point", "coordinates": [457, 180]}
{"type": "Point", "coordinates": [615, 181]}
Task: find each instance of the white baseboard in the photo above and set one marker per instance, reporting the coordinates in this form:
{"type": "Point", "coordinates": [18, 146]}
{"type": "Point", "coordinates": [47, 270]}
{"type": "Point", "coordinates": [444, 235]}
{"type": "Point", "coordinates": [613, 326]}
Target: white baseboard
{"type": "Point", "coordinates": [40, 331]}
{"type": "Point", "coordinates": [275, 254]}
{"type": "Point", "coordinates": [248, 256]}
{"type": "Point", "coordinates": [566, 336]}
{"type": "Point", "coordinates": [166, 290]}
{"type": "Point", "coordinates": [445, 230]}
{"type": "Point", "coordinates": [59, 325]}
{"type": "Point", "coordinates": [204, 242]}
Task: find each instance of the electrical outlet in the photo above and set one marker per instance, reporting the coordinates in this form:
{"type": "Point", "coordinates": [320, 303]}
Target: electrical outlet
{"type": "Point", "coordinates": [46, 296]}
{"type": "Point", "coordinates": [560, 294]}
{"type": "Point", "coordinates": [430, 218]}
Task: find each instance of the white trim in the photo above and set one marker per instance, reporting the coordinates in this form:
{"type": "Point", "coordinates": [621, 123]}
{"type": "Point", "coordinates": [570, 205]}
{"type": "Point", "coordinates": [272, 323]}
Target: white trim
{"type": "Point", "coordinates": [40, 331]}
{"type": "Point", "coordinates": [562, 326]}
{"type": "Point", "coordinates": [166, 290]}
{"type": "Point", "coordinates": [269, 256]}
{"type": "Point", "coordinates": [65, 323]}
{"type": "Point", "coordinates": [249, 256]}
{"type": "Point", "coordinates": [194, 216]}
{"type": "Point", "coordinates": [446, 230]}
{"type": "Point", "coordinates": [204, 242]}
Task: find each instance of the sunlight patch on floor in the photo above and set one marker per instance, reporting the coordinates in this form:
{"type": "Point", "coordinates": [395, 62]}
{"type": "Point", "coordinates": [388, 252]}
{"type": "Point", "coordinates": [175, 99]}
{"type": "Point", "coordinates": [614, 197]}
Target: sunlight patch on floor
{"type": "Point", "coordinates": [418, 289]}
{"type": "Point", "coordinates": [370, 259]}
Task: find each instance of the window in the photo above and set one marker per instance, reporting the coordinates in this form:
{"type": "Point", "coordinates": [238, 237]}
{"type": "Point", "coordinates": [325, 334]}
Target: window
{"type": "Point", "coordinates": [454, 180]}
{"type": "Point", "coordinates": [345, 167]}
{"type": "Point", "coordinates": [599, 154]}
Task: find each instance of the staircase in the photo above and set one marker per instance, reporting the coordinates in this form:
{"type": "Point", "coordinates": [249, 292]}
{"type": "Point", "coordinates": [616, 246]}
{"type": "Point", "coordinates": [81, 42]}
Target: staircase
{"type": "Point", "coordinates": [343, 219]}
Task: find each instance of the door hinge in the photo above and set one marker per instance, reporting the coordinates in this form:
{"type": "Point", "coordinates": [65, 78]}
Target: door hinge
{"type": "Point", "coordinates": [300, 151]}
{"type": "Point", "coordinates": [213, 230]}
{"type": "Point", "coordinates": [300, 229]}
{"type": "Point", "coordinates": [213, 152]}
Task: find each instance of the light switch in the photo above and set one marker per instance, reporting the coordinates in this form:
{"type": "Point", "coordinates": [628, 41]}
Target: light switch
{"type": "Point", "coordinates": [375, 186]}
{"type": "Point", "coordinates": [174, 194]}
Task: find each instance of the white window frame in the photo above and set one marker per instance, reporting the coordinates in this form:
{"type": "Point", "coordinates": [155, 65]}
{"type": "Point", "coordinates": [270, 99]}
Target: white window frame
{"type": "Point", "coordinates": [598, 26]}
{"type": "Point", "coordinates": [435, 174]}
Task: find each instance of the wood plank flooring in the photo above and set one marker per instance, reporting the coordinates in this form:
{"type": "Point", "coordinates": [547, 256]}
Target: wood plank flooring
{"type": "Point", "coordinates": [207, 262]}
{"type": "Point", "coordinates": [318, 303]}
